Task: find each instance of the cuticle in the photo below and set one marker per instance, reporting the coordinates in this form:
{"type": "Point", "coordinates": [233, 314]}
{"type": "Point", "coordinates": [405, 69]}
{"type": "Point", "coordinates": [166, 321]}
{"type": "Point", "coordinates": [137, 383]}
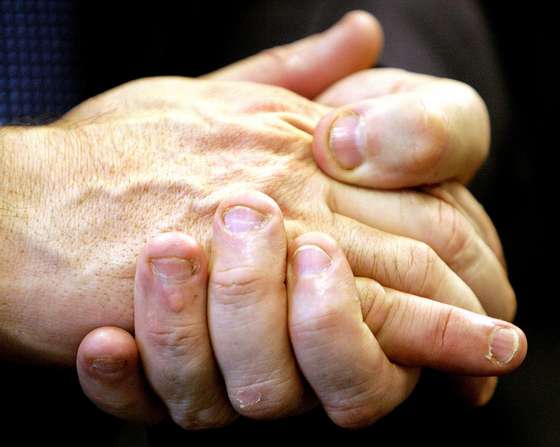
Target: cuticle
{"type": "Point", "coordinates": [361, 124]}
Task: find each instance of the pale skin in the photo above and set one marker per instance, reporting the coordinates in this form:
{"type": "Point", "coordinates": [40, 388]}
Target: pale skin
{"type": "Point", "coordinates": [161, 155]}
{"type": "Point", "coordinates": [358, 345]}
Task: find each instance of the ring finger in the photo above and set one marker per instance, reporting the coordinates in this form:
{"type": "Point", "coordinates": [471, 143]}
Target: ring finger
{"type": "Point", "coordinates": [172, 332]}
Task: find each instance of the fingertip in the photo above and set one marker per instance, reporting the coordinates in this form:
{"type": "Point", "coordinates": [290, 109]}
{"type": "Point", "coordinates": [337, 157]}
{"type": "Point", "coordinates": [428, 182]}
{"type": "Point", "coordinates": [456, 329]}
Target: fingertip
{"type": "Point", "coordinates": [507, 347]}
{"type": "Point", "coordinates": [168, 263]}
{"type": "Point", "coordinates": [369, 27]}
{"type": "Point", "coordinates": [108, 354]}
{"type": "Point", "coordinates": [110, 376]}
{"type": "Point", "coordinates": [487, 391]}
{"type": "Point", "coordinates": [339, 147]}
{"type": "Point", "coordinates": [304, 70]}
{"type": "Point", "coordinates": [245, 212]}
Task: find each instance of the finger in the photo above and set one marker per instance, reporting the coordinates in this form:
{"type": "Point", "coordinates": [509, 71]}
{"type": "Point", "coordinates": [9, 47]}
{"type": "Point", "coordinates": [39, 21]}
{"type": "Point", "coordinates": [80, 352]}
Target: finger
{"type": "Point", "coordinates": [381, 209]}
{"type": "Point", "coordinates": [378, 304]}
{"type": "Point", "coordinates": [110, 376]}
{"type": "Point", "coordinates": [373, 83]}
{"type": "Point", "coordinates": [439, 131]}
{"type": "Point", "coordinates": [355, 381]}
{"type": "Point", "coordinates": [401, 263]}
{"type": "Point", "coordinates": [301, 66]}
{"type": "Point", "coordinates": [441, 226]}
{"type": "Point", "coordinates": [248, 307]}
{"type": "Point", "coordinates": [172, 332]}
{"type": "Point", "coordinates": [457, 195]}
{"type": "Point", "coordinates": [414, 331]}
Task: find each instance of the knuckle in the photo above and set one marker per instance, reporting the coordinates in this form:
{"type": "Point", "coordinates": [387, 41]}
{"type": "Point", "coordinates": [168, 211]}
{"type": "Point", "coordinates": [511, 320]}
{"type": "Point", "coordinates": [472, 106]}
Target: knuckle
{"type": "Point", "coordinates": [263, 105]}
{"type": "Point", "coordinates": [432, 127]}
{"type": "Point", "coordinates": [454, 235]}
{"type": "Point", "coordinates": [176, 342]}
{"type": "Point", "coordinates": [440, 335]}
{"type": "Point", "coordinates": [318, 324]}
{"type": "Point", "coordinates": [278, 57]}
{"type": "Point", "coordinates": [422, 270]}
{"type": "Point", "coordinates": [239, 286]}
{"type": "Point", "coordinates": [372, 300]}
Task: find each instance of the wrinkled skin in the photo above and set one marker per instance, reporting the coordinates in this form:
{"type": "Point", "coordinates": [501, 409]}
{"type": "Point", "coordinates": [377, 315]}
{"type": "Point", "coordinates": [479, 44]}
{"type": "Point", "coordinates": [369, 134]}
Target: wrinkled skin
{"type": "Point", "coordinates": [151, 156]}
{"type": "Point", "coordinates": [148, 157]}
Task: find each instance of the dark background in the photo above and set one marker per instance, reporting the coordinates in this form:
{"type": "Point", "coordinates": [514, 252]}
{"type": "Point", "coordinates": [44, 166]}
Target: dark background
{"type": "Point", "coordinates": [506, 50]}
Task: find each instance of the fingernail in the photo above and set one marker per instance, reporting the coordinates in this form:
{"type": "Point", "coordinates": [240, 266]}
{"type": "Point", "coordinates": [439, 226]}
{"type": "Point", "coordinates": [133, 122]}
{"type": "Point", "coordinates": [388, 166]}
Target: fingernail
{"type": "Point", "coordinates": [311, 260]}
{"type": "Point", "coordinates": [248, 398]}
{"type": "Point", "coordinates": [108, 365]}
{"type": "Point", "coordinates": [347, 140]}
{"type": "Point", "coordinates": [242, 219]}
{"type": "Point", "coordinates": [173, 269]}
{"type": "Point", "coordinates": [503, 344]}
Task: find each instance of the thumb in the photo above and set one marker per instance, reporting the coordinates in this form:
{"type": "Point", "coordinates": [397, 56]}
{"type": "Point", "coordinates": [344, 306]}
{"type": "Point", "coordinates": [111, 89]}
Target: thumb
{"type": "Point", "coordinates": [310, 65]}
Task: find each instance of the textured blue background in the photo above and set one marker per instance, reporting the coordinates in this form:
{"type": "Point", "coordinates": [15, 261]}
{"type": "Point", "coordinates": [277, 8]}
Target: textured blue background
{"type": "Point", "coordinates": [38, 45]}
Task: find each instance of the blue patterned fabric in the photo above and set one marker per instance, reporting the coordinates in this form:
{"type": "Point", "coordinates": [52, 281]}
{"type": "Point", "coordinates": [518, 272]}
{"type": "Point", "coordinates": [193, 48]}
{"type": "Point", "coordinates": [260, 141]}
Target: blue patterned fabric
{"type": "Point", "coordinates": [37, 50]}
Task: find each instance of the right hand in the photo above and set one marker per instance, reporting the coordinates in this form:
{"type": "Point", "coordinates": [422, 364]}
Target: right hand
{"type": "Point", "coordinates": [358, 344]}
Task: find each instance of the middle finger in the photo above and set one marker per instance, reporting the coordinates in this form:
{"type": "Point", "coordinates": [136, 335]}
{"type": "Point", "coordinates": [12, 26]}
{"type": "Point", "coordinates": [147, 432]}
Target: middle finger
{"type": "Point", "coordinates": [247, 308]}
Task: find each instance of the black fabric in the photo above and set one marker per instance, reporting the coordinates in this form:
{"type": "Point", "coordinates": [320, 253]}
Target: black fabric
{"type": "Point", "coordinates": [88, 47]}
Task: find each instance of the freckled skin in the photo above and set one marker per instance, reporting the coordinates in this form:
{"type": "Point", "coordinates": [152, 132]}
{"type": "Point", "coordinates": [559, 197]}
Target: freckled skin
{"type": "Point", "coordinates": [150, 156]}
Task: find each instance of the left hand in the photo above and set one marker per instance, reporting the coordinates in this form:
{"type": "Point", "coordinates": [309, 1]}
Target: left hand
{"type": "Point", "coordinates": [391, 333]}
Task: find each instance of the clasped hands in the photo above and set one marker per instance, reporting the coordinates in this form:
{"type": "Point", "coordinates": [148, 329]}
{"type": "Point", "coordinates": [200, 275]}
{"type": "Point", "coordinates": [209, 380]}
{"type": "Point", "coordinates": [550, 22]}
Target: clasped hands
{"type": "Point", "coordinates": [316, 288]}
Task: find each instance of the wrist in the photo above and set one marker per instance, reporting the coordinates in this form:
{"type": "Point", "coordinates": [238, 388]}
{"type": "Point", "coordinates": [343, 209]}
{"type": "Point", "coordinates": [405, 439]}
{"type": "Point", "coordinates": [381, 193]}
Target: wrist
{"type": "Point", "coordinates": [9, 216]}
{"type": "Point", "coordinates": [17, 189]}
{"type": "Point", "coordinates": [56, 245]}
{"type": "Point", "coordinates": [13, 212]}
